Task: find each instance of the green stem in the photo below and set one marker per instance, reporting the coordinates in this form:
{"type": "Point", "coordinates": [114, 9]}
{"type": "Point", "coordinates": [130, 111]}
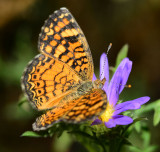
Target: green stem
{"type": "Point", "coordinates": [113, 146]}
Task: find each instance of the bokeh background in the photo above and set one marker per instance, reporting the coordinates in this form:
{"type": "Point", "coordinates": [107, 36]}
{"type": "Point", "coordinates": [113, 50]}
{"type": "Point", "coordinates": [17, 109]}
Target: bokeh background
{"type": "Point", "coordinates": [135, 22]}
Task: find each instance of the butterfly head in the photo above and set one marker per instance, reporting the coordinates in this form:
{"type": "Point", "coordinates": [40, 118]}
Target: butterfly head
{"type": "Point", "coordinates": [98, 84]}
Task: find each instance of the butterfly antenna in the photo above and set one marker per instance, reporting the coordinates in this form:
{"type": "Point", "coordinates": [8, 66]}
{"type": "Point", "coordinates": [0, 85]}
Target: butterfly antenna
{"type": "Point", "coordinates": [128, 86]}
{"type": "Point", "coordinates": [109, 47]}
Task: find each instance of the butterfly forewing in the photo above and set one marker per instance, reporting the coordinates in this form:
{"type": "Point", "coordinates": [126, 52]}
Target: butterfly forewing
{"type": "Point", "coordinates": [62, 38]}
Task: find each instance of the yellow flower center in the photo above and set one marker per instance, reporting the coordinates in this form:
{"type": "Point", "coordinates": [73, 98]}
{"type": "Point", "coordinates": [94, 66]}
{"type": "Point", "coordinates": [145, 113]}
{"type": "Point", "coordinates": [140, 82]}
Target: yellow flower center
{"type": "Point", "coordinates": [107, 114]}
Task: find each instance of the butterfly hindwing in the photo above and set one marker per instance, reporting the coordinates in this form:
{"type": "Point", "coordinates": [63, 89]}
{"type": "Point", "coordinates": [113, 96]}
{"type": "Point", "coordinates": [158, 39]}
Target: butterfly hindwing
{"type": "Point", "coordinates": [46, 80]}
{"type": "Point", "coordinates": [86, 107]}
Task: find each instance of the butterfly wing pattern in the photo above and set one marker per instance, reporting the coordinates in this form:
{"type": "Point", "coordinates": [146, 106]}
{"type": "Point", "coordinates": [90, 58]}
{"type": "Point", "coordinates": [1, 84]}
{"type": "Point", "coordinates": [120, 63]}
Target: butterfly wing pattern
{"type": "Point", "coordinates": [46, 80]}
{"type": "Point", "coordinates": [62, 38]}
{"type": "Point", "coordinates": [59, 80]}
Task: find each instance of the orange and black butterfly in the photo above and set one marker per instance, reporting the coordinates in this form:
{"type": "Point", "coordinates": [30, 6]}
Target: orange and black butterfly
{"type": "Point", "coordinates": [59, 80]}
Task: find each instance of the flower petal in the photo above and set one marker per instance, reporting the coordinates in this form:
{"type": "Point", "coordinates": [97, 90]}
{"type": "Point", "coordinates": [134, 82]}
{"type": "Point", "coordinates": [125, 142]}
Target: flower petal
{"type": "Point", "coordinates": [113, 89]}
{"type": "Point", "coordinates": [110, 124]}
{"type": "Point", "coordinates": [119, 80]}
{"type": "Point", "coordinates": [126, 66]}
{"type": "Point", "coordinates": [94, 77]}
{"type": "Point", "coordinates": [118, 120]}
{"type": "Point", "coordinates": [104, 69]}
{"type": "Point", "coordinates": [130, 105]}
{"type": "Point", "coordinates": [122, 120]}
{"type": "Point", "coordinates": [96, 122]}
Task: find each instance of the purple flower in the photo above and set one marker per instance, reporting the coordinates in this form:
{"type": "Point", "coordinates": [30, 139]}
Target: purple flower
{"type": "Point", "coordinates": [111, 116]}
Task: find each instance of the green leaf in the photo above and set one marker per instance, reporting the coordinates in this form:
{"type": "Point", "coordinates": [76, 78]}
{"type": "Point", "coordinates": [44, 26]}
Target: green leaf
{"type": "Point", "coordinates": [134, 149]}
{"type": "Point", "coordinates": [22, 100]}
{"type": "Point", "coordinates": [30, 134]}
{"type": "Point", "coordinates": [139, 119]}
{"type": "Point", "coordinates": [150, 107]}
{"type": "Point", "coordinates": [134, 122]}
{"type": "Point", "coordinates": [138, 126]}
{"type": "Point", "coordinates": [151, 148]}
{"type": "Point", "coordinates": [156, 117]}
{"type": "Point", "coordinates": [121, 55]}
{"type": "Point", "coordinates": [147, 108]}
{"type": "Point", "coordinates": [146, 138]}
{"type": "Point", "coordinates": [65, 140]}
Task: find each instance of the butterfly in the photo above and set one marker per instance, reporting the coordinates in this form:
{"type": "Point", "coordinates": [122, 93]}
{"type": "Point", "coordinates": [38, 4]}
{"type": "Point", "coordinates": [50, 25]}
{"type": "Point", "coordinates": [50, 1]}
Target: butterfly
{"type": "Point", "coordinates": [58, 81]}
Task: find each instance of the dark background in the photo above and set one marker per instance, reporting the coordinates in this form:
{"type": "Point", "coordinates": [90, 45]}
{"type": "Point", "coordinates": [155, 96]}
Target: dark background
{"type": "Point", "coordinates": [135, 22]}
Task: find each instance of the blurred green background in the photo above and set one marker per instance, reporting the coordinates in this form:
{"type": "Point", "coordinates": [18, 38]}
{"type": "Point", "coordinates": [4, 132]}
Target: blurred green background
{"type": "Point", "coordinates": [135, 22]}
